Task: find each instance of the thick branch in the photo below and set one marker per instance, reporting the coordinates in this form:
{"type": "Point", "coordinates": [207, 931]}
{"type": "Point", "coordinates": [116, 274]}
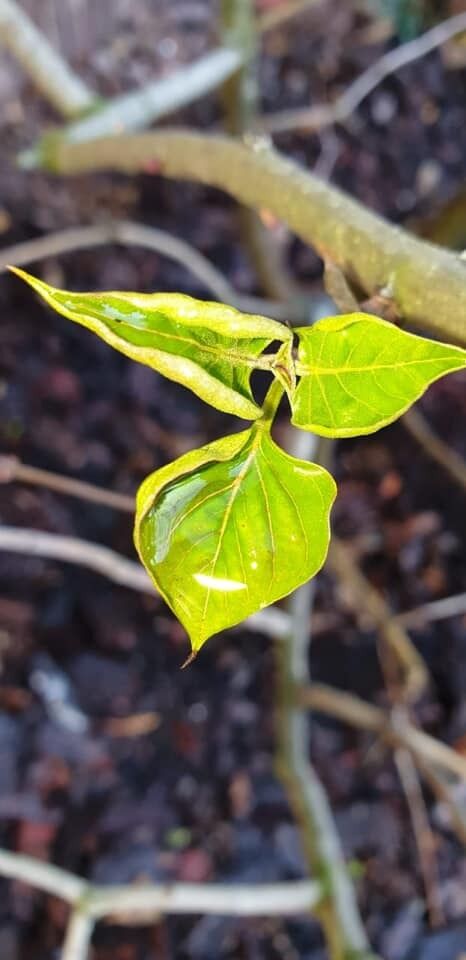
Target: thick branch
{"type": "Point", "coordinates": [50, 73]}
{"type": "Point", "coordinates": [427, 283]}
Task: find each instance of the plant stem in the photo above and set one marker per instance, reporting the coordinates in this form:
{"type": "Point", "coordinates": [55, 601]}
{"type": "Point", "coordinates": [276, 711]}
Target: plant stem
{"type": "Point", "coordinates": [138, 109]}
{"type": "Point", "coordinates": [240, 95]}
{"type": "Point", "coordinates": [427, 283]}
{"type": "Point", "coordinates": [324, 115]}
{"type": "Point", "coordinates": [271, 403]}
{"type": "Point", "coordinates": [78, 936]}
{"type": "Point", "coordinates": [36, 543]}
{"type": "Point", "coordinates": [342, 925]}
{"type": "Point", "coordinates": [49, 72]}
{"type": "Point", "coordinates": [138, 903]}
{"type": "Point", "coordinates": [131, 233]}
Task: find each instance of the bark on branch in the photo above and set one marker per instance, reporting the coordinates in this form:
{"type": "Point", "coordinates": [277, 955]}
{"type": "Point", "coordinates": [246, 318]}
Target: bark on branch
{"type": "Point", "coordinates": [427, 283]}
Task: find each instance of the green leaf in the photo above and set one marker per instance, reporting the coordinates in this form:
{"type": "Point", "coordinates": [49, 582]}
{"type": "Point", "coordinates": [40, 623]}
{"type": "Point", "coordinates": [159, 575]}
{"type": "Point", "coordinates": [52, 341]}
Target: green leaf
{"type": "Point", "coordinates": [231, 527]}
{"type": "Point", "coordinates": [209, 347]}
{"type": "Point", "coordinates": [359, 373]}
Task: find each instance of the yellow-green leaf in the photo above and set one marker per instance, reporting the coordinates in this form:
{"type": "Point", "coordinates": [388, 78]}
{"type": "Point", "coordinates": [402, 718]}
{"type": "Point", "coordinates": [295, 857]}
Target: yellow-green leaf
{"type": "Point", "coordinates": [209, 347]}
{"type": "Point", "coordinates": [359, 373]}
{"type": "Point", "coordinates": [232, 527]}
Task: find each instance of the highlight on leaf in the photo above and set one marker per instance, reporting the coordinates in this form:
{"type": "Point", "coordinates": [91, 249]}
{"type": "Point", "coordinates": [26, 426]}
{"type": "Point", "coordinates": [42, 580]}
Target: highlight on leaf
{"type": "Point", "coordinates": [209, 347]}
{"type": "Point", "coordinates": [359, 373]}
{"type": "Point", "coordinates": [232, 527]}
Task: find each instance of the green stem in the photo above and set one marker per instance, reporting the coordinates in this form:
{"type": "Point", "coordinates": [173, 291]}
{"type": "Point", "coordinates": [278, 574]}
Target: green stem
{"type": "Point", "coordinates": [271, 403]}
{"type": "Point", "coordinates": [427, 283]}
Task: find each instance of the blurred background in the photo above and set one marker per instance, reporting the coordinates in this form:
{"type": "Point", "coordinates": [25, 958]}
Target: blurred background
{"type": "Point", "coordinates": [113, 762]}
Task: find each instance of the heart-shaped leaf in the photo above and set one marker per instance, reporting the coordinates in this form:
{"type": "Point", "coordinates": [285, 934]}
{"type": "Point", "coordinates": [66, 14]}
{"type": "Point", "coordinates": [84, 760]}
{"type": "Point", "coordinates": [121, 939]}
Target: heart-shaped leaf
{"type": "Point", "coordinates": [359, 373]}
{"type": "Point", "coordinates": [231, 527]}
{"type": "Point", "coordinates": [209, 347]}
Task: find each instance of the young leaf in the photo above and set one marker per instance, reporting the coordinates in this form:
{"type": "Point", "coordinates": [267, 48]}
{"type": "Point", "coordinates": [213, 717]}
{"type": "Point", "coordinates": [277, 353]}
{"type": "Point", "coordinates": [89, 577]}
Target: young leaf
{"type": "Point", "coordinates": [231, 527]}
{"type": "Point", "coordinates": [359, 373]}
{"type": "Point", "coordinates": [209, 347]}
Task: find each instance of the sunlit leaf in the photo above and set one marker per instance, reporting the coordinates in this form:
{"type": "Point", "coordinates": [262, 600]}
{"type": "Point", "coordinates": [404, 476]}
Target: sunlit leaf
{"type": "Point", "coordinates": [232, 527]}
{"type": "Point", "coordinates": [359, 373]}
{"type": "Point", "coordinates": [209, 347]}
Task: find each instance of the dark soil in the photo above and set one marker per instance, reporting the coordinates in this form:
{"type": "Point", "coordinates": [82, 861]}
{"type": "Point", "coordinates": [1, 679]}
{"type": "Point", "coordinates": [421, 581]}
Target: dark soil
{"type": "Point", "coordinates": [189, 791]}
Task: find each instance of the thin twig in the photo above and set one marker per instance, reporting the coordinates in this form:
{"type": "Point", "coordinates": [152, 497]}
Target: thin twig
{"type": "Point", "coordinates": [44, 876]}
{"type": "Point", "coordinates": [366, 247]}
{"type": "Point", "coordinates": [409, 780]}
{"type": "Point", "coordinates": [281, 14]}
{"type": "Point", "coordinates": [36, 543]}
{"type": "Point", "coordinates": [351, 709]}
{"type": "Point", "coordinates": [325, 115]}
{"type": "Point", "coordinates": [273, 622]}
{"type": "Point", "coordinates": [365, 597]}
{"type": "Point", "coordinates": [140, 108]}
{"type": "Point", "coordinates": [50, 73]}
{"type": "Point", "coordinates": [78, 936]}
{"type": "Point", "coordinates": [422, 832]}
{"type": "Point", "coordinates": [240, 96]}
{"type": "Point", "coordinates": [454, 606]}
{"type": "Point", "coordinates": [11, 469]}
{"type": "Point", "coordinates": [445, 794]}
{"type": "Point", "coordinates": [437, 449]}
{"type": "Point", "coordinates": [234, 900]}
{"type": "Point", "coordinates": [423, 748]}
{"type": "Point", "coordinates": [145, 901]}
{"type": "Point", "coordinates": [127, 232]}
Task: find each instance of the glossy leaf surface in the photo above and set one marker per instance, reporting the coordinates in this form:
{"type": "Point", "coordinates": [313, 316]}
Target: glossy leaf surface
{"type": "Point", "coordinates": [359, 373]}
{"type": "Point", "coordinates": [208, 347]}
{"type": "Point", "coordinates": [231, 527]}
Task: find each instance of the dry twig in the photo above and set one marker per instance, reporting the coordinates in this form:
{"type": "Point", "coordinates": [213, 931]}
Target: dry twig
{"type": "Point", "coordinates": [365, 597]}
{"type": "Point", "coordinates": [11, 469]}
{"type": "Point", "coordinates": [454, 606]}
{"type": "Point", "coordinates": [273, 622]}
{"type": "Point", "coordinates": [365, 716]}
{"type": "Point", "coordinates": [423, 836]}
{"type": "Point", "coordinates": [449, 459]}
{"type": "Point", "coordinates": [281, 14]}
{"type": "Point", "coordinates": [127, 232]}
{"type": "Point", "coordinates": [325, 115]}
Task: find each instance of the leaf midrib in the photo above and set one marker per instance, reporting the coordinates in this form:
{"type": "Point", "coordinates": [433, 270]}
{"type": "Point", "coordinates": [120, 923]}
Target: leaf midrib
{"type": "Point", "coordinates": [257, 363]}
{"type": "Point", "coordinates": [235, 486]}
{"type": "Point", "coordinates": [307, 369]}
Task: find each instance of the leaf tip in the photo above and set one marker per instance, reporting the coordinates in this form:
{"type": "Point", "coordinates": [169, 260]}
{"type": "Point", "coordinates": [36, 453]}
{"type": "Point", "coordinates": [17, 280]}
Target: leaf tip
{"type": "Point", "coordinates": [24, 275]}
{"type": "Point", "coordinates": [192, 656]}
